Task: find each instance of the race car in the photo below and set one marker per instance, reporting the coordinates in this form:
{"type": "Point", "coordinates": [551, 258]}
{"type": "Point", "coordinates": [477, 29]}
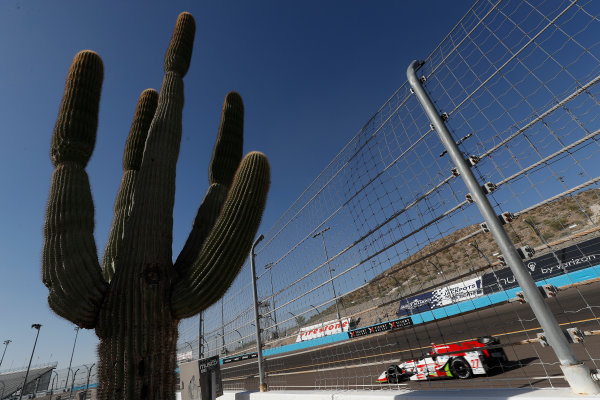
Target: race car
{"type": "Point", "coordinates": [458, 360]}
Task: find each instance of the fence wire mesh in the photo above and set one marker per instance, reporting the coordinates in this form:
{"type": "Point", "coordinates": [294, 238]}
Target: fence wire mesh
{"type": "Point", "coordinates": [386, 243]}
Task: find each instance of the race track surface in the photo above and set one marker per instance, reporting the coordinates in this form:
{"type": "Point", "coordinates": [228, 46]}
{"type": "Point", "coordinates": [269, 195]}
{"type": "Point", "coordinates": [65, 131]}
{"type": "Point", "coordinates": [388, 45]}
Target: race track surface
{"type": "Point", "coordinates": [356, 363]}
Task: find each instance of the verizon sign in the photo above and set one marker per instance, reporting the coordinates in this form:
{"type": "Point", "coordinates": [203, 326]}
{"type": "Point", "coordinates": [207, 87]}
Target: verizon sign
{"type": "Point", "coordinates": [323, 329]}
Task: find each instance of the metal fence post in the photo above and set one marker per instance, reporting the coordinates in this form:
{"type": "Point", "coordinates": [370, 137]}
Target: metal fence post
{"type": "Point", "coordinates": [576, 373]}
{"type": "Point", "coordinates": [261, 372]}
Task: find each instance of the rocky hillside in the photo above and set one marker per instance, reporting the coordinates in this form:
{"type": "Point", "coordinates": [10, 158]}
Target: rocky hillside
{"type": "Point", "coordinates": [465, 251]}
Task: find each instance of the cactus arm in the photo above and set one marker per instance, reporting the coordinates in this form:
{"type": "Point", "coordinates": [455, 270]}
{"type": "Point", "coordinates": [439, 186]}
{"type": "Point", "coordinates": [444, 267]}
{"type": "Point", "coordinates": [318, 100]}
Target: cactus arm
{"type": "Point", "coordinates": [150, 222]}
{"type": "Point", "coordinates": [228, 243]}
{"type": "Point", "coordinates": [132, 159]}
{"type": "Point", "coordinates": [70, 267]}
{"type": "Point", "coordinates": [205, 219]}
{"type": "Point", "coordinates": [226, 157]}
{"type": "Point", "coordinates": [228, 149]}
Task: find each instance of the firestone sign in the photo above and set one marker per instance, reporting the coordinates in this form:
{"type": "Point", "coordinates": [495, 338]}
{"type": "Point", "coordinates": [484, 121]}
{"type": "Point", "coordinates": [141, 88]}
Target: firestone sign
{"type": "Point", "coordinates": [323, 329]}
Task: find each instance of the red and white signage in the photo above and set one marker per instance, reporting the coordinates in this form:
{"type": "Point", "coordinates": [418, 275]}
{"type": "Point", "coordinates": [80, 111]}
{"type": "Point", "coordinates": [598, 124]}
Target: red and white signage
{"type": "Point", "coordinates": [323, 329]}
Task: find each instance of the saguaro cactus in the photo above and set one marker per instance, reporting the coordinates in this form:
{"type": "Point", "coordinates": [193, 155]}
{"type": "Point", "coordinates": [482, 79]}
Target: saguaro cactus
{"type": "Point", "coordinates": [136, 299]}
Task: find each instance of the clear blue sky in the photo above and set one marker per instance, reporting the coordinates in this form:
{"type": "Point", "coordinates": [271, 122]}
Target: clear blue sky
{"type": "Point", "coordinates": [311, 74]}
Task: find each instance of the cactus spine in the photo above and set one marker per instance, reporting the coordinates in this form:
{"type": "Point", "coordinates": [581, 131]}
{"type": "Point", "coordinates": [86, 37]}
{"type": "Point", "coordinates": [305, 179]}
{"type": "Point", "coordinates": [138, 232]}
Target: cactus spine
{"type": "Point", "coordinates": [136, 299]}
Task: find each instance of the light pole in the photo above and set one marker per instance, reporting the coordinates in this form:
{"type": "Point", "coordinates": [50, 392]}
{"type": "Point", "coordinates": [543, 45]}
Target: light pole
{"type": "Point", "coordinates": [73, 383]}
{"type": "Point", "coordinates": [536, 231]}
{"type": "Point", "coordinates": [36, 326]}
{"type": "Point", "coordinates": [298, 322]}
{"type": "Point", "coordinates": [481, 253]}
{"type": "Point", "coordinates": [72, 352]}
{"type": "Point", "coordinates": [269, 266]}
{"type": "Point", "coordinates": [318, 312]}
{"type": "Point", "coordinates": [241, 337]}
{"type": "Point", "coordinates": [322, 234]}
{"type": "Point", "coordinates": [6, 343]}
{"type": "Point", "coordinates": [261, 372]}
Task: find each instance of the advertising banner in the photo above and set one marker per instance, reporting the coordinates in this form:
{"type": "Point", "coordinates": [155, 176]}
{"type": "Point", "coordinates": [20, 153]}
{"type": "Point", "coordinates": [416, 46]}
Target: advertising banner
{"type": "Point", "coordinates": [240, 358]}
{"type": "Point", "coordinates": [323, 329]}
{"type": "Point", "coordinates": [386, 326]}
{"type": "Point", "coordinates": [464, 290]}
{"type": "Point", "coordinates": [415, 304]}
{"type": "Point", "coordinates": [201, 379]}
{"type": "Point", "coordinates": [460, 291]}
{"type": "Point", "coordinates": [572, 258]}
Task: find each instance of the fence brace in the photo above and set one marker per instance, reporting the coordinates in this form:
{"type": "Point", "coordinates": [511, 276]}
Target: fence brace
{"type": "Point", "coordinates": [576, 373]}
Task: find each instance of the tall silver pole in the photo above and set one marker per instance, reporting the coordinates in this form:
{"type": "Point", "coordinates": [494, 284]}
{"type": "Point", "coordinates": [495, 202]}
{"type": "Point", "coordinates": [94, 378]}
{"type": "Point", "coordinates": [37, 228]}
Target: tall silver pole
{"type": "Point", "coordinates": [261, 372]}
{"type": "Point", "coordinates": [6, 343]}
{"type": "Point", "coordinates": [322, 234]}
{"type": "Point", "coordinates": [36, 326]}
{"type": "Point", "coordinates": [72, 352]}
{"type": "Point", "coordinates": [576, 373]}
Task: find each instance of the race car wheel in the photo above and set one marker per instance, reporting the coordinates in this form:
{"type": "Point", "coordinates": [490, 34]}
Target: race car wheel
{"type": "Point", "coordinates": [460, 368]}
{"type": "Point", "coordinates": [394, 374]}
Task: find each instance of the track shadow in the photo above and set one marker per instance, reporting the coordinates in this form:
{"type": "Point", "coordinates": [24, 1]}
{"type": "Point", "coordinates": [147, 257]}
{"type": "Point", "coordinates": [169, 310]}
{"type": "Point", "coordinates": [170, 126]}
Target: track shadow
{"type": "Point", "coordinates": [510, 365]}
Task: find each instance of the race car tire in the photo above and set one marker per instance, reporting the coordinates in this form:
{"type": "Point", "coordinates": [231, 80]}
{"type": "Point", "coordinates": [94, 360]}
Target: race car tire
{"type": "Point", "coordinates": [460, 368]}
{"type": "Point", "coordinates": [394, 374]}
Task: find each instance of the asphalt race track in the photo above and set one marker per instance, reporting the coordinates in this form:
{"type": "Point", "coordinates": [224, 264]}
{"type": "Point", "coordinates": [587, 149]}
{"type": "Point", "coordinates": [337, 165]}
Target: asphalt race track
{"type": "Point", "coordinates": [356, 363]}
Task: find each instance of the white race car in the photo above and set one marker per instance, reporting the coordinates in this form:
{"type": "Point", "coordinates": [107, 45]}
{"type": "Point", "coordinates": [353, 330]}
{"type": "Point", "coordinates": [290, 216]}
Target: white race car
{"type": "Point", "coordinates": [458, 360]}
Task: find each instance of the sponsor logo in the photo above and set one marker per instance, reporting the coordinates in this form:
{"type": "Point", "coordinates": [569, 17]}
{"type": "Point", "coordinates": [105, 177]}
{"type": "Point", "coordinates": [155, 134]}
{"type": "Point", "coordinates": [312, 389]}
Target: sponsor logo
{"type": "Point", "coordinates": [240, 358]}
{"type": "Point", "coordinates": [324, 329]}
{"type": "Point", "coordinates": [450, 294]}
{"type": "Point", "coordinates": [208, 363]}
{"type": "Point", "coordinates": [386, 326]}
{"type": "Point", "coordinates": [464, 290]}
{"type": "Point", "coordinates": [559, 262]}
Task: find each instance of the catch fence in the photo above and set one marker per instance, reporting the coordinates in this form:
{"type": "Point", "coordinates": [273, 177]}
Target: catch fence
{"type": "Point", "coordinates": [388, 243]}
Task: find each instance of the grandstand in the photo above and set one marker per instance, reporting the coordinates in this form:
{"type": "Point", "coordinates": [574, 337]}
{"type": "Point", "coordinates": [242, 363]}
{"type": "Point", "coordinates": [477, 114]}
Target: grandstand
{"type": "Point", "coordinates": [38, 380]}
